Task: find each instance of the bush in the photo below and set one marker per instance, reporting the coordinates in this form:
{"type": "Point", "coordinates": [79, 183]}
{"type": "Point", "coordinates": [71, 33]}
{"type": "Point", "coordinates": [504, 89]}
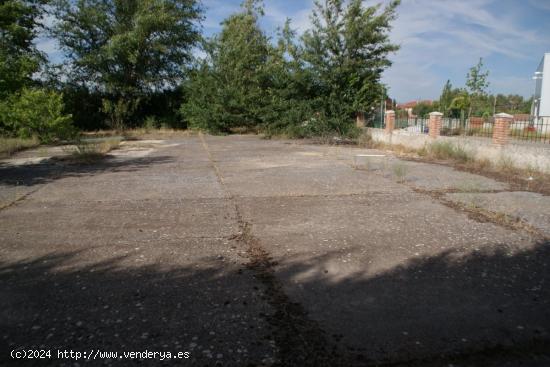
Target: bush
{"type": "Point", "coordinates": [35, 112]}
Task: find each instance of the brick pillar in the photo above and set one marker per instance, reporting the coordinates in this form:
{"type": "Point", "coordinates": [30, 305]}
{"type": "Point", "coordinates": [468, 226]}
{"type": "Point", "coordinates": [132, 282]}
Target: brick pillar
{"type": "Point", "coordinates": [435, 124]}
{"type": "Point", "coordinates": [360, 119]}
{"type": "Point", "coordinates": [501, 129]}
{"type": "Point", "coordinates": [390, 121]}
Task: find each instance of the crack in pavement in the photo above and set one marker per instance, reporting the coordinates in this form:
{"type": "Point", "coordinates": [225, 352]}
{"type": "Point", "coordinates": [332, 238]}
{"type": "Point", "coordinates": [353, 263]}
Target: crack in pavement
{"type": "Point", "coordinates": [300, 340]}
{"type": "Point", "coordinates": [482, 215]}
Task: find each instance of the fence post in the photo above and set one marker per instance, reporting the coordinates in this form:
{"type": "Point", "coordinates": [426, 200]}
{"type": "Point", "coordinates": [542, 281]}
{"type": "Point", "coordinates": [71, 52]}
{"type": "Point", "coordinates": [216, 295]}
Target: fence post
{"type": "Point", "coordinates": [502, 128]}
{"type": "Point", "coordinates": [360, 123]}
{"type": "Point", "coordinates": [434, 125]}
{"type": "Point", "coordinates": [390, 121]}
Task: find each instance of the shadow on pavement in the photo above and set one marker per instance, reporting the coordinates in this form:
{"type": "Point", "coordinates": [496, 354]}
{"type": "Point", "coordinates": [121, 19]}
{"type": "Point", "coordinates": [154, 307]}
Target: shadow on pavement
{"type": "Point", "coordinates": [50, 170]}
{"type": "Point", "coordinates": [484, 309]}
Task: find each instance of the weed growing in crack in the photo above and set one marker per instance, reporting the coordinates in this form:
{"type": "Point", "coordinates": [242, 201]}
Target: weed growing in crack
{"type": "Point", "coordinates": [400, 171]}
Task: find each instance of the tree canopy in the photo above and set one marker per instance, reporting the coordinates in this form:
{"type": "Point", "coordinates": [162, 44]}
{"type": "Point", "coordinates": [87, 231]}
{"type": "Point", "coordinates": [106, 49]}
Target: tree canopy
{"type": "Point", "coordinates": [127, 49]}
{"type": "Point", "coordinates": [19, 58]}
{"type": "Point", "coordinates": [314, 84]}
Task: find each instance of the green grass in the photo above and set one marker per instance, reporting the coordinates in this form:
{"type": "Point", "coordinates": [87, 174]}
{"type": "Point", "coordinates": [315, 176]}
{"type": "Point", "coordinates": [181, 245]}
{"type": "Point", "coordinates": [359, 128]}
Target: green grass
{"type": "Point", "coordinates": [8, 146]}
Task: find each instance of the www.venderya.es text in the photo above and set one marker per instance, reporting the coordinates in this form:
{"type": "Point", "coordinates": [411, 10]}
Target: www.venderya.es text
{"type": "Point", "coordinates": [95, 354]}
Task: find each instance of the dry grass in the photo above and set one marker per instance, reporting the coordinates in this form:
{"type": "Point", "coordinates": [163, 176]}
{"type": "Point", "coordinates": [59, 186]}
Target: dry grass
{"type": "Point", "coordinates": [9, 146]}
{"type": "Point", "coordinates": [140, 133]}
{"type": "Point", "coordinates": [86, 153]}
{"type": "Point", "coordinates": [447, 150]}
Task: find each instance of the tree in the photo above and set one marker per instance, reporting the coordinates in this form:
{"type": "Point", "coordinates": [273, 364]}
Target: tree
{"type": "Point", "coordinates": [477, 84]}
{"type": "Point", "coordinates": [19, 58]}
{"type": "Point", "coordinates": [229, 87]}
{"type": "Point", "coordinates": [127, 49]}
{"type": "Point", "coordinates": [446, 97]}
{"type": "Point", "coordinates": [423, 109]}
{"type": "Point", "coordinates": [347, 51]}
{"type": "Point", "coordinates": [460, 103]}
{"type": "Point", "coordinates": [292, 90]}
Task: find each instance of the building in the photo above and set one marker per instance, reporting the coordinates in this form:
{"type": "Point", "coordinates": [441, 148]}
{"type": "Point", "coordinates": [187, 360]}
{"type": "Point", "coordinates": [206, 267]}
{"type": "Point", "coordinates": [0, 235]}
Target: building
{"type": "Point", "coordinates": [409, 106]}
{"type": "Point", "coordinates": [541, 102]}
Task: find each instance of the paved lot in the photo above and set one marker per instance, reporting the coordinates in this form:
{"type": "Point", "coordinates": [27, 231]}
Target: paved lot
{"type": "Point", "coordinates": [243, 251]}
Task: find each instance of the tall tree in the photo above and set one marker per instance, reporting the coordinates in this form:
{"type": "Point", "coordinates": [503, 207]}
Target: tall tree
{"type": "Point", "coordinates": [229, 87]}
{"type": "Point", "coordinates": [19, 58]}
{"type": "Point", "coordinates": [347, 50]}
{"type": "Point", "coordinates": [446, 97]}
{"type": "Point", "coordinates": [477, 84]}
{"type": "Point", "coordinates": [127, 49]}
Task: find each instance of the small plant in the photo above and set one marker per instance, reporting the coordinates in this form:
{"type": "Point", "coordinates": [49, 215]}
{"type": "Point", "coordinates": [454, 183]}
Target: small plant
{"type": "Point", "coordinates": [400, 172]}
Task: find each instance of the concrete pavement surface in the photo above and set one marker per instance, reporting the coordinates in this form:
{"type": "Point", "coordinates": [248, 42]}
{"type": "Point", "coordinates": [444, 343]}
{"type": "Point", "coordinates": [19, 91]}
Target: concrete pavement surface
{"type": "Point", "coordinates": [242, 251]}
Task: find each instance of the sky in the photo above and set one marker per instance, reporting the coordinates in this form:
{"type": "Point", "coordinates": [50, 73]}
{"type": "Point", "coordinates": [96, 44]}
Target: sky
{"type": "Point", "coordinates": [439, 39]}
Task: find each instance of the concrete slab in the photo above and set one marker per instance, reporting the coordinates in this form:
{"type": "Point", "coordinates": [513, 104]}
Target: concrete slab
{"type": "Point", "coordinates": [148, 252]}
{"type": "Point", "coordinates": [367, 259]}
{"type": "Point", "coordinates": [184, 296]}
{"type": "Point", "coordinates": [437, 177]}
{"type": "Point", "coordinates": [531, 207]}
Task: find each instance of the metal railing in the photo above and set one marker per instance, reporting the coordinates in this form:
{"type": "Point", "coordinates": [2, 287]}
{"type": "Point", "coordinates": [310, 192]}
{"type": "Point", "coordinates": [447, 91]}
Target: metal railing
{"type": "Point", "coordinates": [412, 124]}
{"type": "Point", "coordinates": [532, 129]}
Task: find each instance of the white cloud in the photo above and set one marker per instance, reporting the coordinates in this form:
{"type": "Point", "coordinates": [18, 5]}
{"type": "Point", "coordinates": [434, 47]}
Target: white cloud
{"type": "Point", "coordinates": [276, 14]}
{"type": "Point", "coordinates": [450, 36]}
{"type": "Point", "coordinates": [540, 4]}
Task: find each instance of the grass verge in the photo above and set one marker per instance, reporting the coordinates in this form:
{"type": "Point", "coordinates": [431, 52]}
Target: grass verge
{"type": "Point", "coordinates": [448, 154]}
{"type": "Point", "coordinates": [446, 150]}
{"type": "Point", "coordinates": [9, 146]}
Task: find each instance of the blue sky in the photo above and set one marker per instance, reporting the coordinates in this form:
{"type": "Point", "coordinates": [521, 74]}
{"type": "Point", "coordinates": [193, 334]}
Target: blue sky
{"type": "Point", "coordinates": [440, 40]}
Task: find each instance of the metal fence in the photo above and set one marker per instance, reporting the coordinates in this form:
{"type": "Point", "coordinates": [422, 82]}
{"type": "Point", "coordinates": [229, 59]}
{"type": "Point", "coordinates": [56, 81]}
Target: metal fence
{"type": "Point", "coordinates": [532, 129]}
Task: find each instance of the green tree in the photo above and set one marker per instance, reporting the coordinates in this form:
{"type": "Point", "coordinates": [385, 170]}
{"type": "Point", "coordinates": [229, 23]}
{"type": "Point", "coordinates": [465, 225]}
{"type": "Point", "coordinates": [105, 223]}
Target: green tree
{"type": "Point", "coordinates": [127, 49]}
{"type": "Point", "coordinates": [460, 103]}
{"type": "Point", "coordinates": [292, 93]}
{"type": "Point", "coordinates": [423, 109]}
{"type": "Point", "coordinates": [477, 84]}
{"type": "Point", "coordinates": [347, 51]}
{"type": "Point", "coordinates": [19, 58]}
{"type": "Point", "coordinates": [446, 97]}
{"type": "Point", "coordinates": [35, 112]}
{"type": "Point", "coordinates": [229, 87]}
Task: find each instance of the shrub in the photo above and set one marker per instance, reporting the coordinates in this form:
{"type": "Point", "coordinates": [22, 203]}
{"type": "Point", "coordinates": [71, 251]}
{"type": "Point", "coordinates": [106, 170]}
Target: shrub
{"type": "Point", "coordinates": [35, 112]}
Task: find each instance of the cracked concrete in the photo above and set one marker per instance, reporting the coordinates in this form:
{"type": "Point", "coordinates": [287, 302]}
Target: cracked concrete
{"type": "Point", "coordinates": [245, 251]}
